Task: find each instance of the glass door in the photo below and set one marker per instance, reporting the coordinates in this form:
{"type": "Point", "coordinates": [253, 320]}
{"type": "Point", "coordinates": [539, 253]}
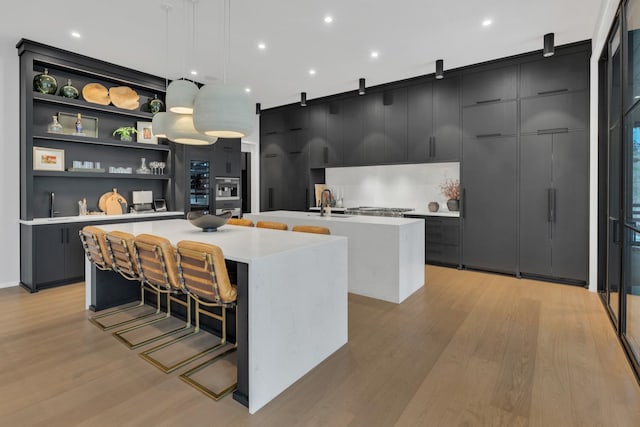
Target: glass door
{"type": "Point", "coordinates": [200, 185]}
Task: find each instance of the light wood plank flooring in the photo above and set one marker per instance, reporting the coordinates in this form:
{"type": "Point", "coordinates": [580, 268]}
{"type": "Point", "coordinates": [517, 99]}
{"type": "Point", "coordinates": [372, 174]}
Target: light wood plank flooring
{"type": "Point", "coordinates": [469, 349]}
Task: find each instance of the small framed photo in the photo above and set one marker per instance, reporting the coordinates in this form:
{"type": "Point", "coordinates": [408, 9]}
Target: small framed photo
{"type": "Point", "coordinates": [48, 159]}
{"type": "Point", "coordinates": [145, 133]}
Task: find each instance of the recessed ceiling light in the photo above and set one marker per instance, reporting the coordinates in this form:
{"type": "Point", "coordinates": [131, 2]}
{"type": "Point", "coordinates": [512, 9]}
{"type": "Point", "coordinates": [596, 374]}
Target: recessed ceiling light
{"type": "Point", "coordinates": [487, 22]}
{"type": "Point", "coordinates": [75, 34]}
{"type": "Point", "coordinates": [247, 89]}
{"type": "Point", "coordinates": [374, 54]}
{"type": "Point", "coordinates": [328, 19]}
{"type": "Point", "coordinates": [194, 73]}
{"type": "Point", "coordinates": [312, 71]}
{"type": "Point", "coordinates": [262, 46]}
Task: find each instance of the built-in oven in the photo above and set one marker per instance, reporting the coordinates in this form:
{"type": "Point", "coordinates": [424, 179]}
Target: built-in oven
{"type": "Point", "coordinates": [227, 188]}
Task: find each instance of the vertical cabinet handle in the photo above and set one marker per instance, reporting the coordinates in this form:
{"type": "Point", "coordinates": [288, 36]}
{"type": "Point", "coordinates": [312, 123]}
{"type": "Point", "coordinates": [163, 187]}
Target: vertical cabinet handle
{"type": "Point", "coordinates": [551, 200]}
{"type": "Point", "coordinates": [325, 154]}
{"type": "Point", "coordinates": [463, 208]}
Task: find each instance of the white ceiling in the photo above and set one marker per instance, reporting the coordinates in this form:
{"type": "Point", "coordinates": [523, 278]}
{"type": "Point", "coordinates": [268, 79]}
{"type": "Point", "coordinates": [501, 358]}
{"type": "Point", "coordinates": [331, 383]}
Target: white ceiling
{"type": "Point", "coordinates": [409, 35]}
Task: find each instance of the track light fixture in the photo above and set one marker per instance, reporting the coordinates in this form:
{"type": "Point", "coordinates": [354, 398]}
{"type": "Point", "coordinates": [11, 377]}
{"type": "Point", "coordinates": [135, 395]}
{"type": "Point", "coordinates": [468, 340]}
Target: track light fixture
{"type": "Point", "coordinates": [361, 87]}
{"type": "Point", "coordinates": [303, 99]}
{"type": "Point", "coordinates": [549, 48]}
{"type": "Point", "coordinates": [439, 69]}
{"type": "Point", "coordinates": [258, 108]}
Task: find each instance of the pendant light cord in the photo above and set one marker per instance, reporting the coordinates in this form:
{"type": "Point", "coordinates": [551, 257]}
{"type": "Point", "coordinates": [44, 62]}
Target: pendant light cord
{"type": "Point", "coordinates": [227, 38]}
{"type": "Point", "coordinates": [193, 36]}
{"type": "Point", "coordinates": [167, 6]}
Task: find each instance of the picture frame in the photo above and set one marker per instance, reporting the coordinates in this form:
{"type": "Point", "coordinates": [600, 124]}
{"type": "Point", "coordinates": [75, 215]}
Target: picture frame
{"type": "Point", "coordinates": [145, 133]}
{"type": "Point", "coordinates": [48, 159]}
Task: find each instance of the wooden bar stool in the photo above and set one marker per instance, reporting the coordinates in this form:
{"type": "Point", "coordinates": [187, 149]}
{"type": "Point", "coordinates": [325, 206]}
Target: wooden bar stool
{"type": "Point", "coordinates": [311, 229]}
{"type": "Point", "coordinates": [204, 275]}
{"type": "Point", "coordinates": [155, 257]}
{"type": "Point", "coordinates": [272, 224]}
{"type": "Point", "coordinates": [240, 221]}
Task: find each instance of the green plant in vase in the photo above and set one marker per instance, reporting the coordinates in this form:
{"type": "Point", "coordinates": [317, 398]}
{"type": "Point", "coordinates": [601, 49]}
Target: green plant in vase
{"type": "Point", "coordinates": [126, 133]}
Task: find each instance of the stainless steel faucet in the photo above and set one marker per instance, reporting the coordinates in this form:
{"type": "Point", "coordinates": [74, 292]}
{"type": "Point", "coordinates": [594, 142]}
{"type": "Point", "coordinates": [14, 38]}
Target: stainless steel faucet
{"type": "Point", "coordinates": [322, 201]}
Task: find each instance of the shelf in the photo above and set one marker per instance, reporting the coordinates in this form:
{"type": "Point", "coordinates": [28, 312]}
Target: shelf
{"type": "Point", "coordinates": [101, 175]}
{"type": "Point", "coordinates": [97, 141]}
{"type": "Point", "coordinates": [60, 100]}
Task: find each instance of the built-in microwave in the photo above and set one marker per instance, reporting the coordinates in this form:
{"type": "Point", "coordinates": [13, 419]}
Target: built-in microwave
{"type": "Point", "coordinates": [227, 188]}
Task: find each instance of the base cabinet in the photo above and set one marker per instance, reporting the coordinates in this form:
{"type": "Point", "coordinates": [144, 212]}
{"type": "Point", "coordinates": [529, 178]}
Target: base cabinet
{"type": "Point", "coordinates": [442, 241]}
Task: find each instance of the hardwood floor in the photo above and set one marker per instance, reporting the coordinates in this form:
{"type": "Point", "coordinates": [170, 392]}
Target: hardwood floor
{"type": "Point", "coordinates": [469, 349]}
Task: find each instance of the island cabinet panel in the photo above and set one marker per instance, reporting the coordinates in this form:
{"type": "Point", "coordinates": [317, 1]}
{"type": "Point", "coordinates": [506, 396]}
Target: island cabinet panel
{"type": "Point", "coordinates": [493, 85]}
{"type": "Point", "coordinates": [489, 190]}
{"type": "Point", "coordinates": [556, 74]}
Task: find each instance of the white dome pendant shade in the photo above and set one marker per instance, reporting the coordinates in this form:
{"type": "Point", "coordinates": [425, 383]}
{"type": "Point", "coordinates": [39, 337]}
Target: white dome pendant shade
{"type": "Point", "coordinates": [160, 124]}
{"type": "Point", "coordinates": [180, 96]}
{"type": "Point", "coordinates": [182, 131]}
{"type": "Point", "coordinates": [223, 111]}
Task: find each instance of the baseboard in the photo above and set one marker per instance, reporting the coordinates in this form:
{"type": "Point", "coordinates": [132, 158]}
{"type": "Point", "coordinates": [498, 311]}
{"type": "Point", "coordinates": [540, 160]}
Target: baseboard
{"type": "Point", "coordinates": [8, 284]}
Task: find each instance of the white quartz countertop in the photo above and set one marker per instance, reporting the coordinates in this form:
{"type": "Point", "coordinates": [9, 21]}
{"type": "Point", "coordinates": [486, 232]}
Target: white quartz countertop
{"type": "Point", "coordinates": [241, 244]}
{"type": "Point", "coordinates": [97, 218]}
{"type": "Point", "coordinates": [359, 219]}
{"type": "Point", "coordinates": [438, 213]}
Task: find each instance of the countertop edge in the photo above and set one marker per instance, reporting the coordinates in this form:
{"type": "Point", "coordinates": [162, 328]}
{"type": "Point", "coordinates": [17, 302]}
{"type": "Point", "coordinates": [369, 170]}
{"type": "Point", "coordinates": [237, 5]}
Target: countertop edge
{"type": "Point", "coordinates": [98, 218]}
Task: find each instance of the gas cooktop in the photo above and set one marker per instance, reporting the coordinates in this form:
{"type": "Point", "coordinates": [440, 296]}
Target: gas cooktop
{"type": "Point", "coordinates": [376, 211]}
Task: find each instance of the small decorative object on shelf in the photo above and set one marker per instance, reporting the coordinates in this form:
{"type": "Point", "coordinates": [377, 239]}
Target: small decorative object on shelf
{"type": "Point", "coordinates": [54, 126]}
{"type": "Point", "coordinates": [124, 97]}
{"type": "Point", "coordinates": [126, 133]}
{"type": "Point", "coordinates": [45, 83]}
{"type": "Point", "coordinates": [145, 133]}
{"type": "Point", "coordinates": [68, 91]}
{"type": "Point", "coordinates": [96, 94]}
{"type": "Point", "coordinates": [433, 206]}
{"type": "Point", "coordinates": [155, 105]}
{"type": "Point", "coordinates": [79, 125]}
{"type": "Point", "coordinates": [143, 169]}
{"type": "Point", "coordinates": [451, 190]}
{"type": "Point", "coordinates": [82, 207]}
{"type": "Point", "coordinates": [48, 159]}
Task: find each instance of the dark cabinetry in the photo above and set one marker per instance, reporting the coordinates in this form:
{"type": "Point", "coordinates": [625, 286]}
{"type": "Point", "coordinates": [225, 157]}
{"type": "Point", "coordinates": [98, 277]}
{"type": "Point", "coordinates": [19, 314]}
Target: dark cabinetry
{"type": "Point", "coordinates": [559, 73]}
{"type": "Point", "coordinates": [554, 113]}
{"type": "Point", "coordinates": [226, 157]}
{"type": "Point", "coordinates": [490, 120]}
{"type": "Point", "coordinates": [492, 85]}
{"type": "Point", "coordinates": [442, 240]}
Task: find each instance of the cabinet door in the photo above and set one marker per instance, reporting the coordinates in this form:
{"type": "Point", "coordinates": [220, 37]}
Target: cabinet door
{"type": "Point", "coordinates": [395, 125]}
{"type": "Point", "coordinates": [226, 157]}
{"type": "Point", "coordinates": [489, 203]}
{"type": "Point", "coordinates": [335, 137]}
{"type": "Point", "coordinates": [535, 204]}
{"type": "Point", "coordinates": [490, 120]}
{"type": "Point", "coordinates": [559, 73]}
{"type": "Point", "coordinates": [419, 122]}
{"type": "Point", "coordinates": [49, 250]}
{"type": "Point", "coordinates": [373, 138]}
{"type": "Point", "coordinates": [446, 121]}
{"type": "Point", "coordinates": [498, 84]}
{"type": "Point", "coordinates": [74, 252]}
{"type": "Point", "coordinates": [552, 113]}
{"type": "Point", "coordinates": [570, 227]}
{"type": "Point", "coordinates": [295, 118]}
{"type": "Point", "coordinates": [295, 188]}
{"type": "Point", "coordinates": [272, 165]}
{"type": "Point", "coordinates": [317, 136]}
{"type": "Point", "coordinates": [272, 121]}
{"type": "Point", "coordinates": [352, 116]}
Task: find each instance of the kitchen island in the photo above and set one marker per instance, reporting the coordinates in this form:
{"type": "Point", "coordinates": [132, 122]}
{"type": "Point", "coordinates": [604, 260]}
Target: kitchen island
{"type": "Point", "coordinates": [386, 255]}
{"type": "Point", "coordinates": [291, 314]}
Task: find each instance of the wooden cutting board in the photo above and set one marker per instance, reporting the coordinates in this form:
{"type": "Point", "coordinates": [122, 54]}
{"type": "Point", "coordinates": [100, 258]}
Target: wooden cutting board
{"type": "Point", "coordinates": [112, 203]}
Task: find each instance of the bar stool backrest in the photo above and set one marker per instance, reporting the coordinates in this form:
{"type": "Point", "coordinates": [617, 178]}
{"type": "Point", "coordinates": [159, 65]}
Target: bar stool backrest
{"type": "Point", "coordinates": [272, 224]}
{"type": "Point", "coordinates": [240, 221]}
{"type": "Point", "coordinates": [122, 253]}
{"type": "Point", "coordinates": [311, 229]}
{"type": "Point", "coordinates": [157, 261]}
{"type": "Point", "coordinates": [95, 246]}
{"type": "Point", "coordinates": [204, 273]}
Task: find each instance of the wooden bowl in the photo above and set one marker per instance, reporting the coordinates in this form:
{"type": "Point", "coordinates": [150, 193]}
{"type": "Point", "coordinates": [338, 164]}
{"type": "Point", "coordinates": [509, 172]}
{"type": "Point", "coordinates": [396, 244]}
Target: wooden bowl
{"type": "Point", "coordinates": [96, 94]}
{"type": "Point", "coordinates": [124, 97]}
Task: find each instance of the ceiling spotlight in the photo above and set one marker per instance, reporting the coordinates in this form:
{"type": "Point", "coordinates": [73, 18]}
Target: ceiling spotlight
{"type": "Point", "coordinates": [439, 69]}
{"type": "Point", "coordinates": [361, 87]}
{"type": "Point", "coordinates": [262, 46]}
{"type": "Point", "coordinates": [194, 73]}
{"type": "Point", "coordinates": [75, 34]}
{"type": "Point", "coordinates": [247, 89]}
{"type": "Point", "coordinates": [312, 72]}
{"type": "Point", "coordinates": [258, 108]}
{"type": "Point", "coordinates": [328, 19]}
{"type": "Point", "coordinates": [549, 48]}
{"type": "Point", "coordinates": [487, 22]}
{"type": "Point", "coordinates": [303, 99]}
{"type": "Point", "coordinates": [374, 53]}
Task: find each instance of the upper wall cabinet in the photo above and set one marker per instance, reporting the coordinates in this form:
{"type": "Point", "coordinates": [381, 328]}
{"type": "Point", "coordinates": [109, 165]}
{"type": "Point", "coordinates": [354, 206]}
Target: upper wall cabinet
{"type": "Point", "coordinates": [494, 85]}
{"type": "Point", "coordinates": [490, 120]}
{"type": "Point", "coordinates": [271, 122]}
{"type": "Point", "coordinates": [559, 73]}
{"type": "Point", "coordinates": [553, 113]}
{"type": "Point", "coordinates": [395, 125]}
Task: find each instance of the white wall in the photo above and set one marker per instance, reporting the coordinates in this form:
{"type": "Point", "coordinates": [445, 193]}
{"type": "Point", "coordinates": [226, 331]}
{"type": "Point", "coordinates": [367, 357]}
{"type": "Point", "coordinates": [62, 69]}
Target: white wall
{"type": "Point", "coordinates": [400, 186]}
{"type": "Point", "coordinates": [600, 33]}
{"type": "Point", "coordinates": [9, 163]}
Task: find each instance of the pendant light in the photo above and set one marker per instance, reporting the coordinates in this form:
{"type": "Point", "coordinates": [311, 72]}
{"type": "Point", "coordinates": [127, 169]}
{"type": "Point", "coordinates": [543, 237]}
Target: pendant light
{"type": "Point", "coordinates": [223, 110]}
{"type": "Point", "coordinates": [439, 69]}
{"type": "Point", "coordinates": [182, 93]}
{"type": "Point", "coordinates": [548, 48]}
{"type": "Point", "coordinates": [160, 121]}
